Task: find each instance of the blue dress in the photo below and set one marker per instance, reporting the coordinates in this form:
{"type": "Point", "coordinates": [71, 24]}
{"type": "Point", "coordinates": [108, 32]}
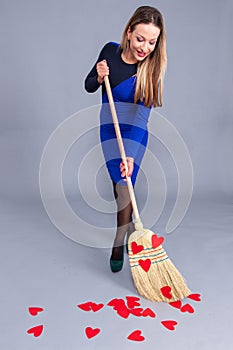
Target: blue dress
{"type": "Point", "coordinates": [133, 118]}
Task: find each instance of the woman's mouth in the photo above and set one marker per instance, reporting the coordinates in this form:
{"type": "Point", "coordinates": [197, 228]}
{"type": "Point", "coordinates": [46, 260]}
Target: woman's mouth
{"type": "Point", "coordinates": [141, 54]}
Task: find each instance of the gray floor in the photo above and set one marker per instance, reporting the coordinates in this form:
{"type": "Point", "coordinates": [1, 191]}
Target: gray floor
{"type": "Point", "coordinates": [41, 267]}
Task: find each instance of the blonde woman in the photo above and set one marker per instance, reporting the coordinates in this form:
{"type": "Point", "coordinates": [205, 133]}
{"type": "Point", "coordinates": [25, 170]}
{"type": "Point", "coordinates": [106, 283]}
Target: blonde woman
{"type": "Point", "coordinates": [136, 70]}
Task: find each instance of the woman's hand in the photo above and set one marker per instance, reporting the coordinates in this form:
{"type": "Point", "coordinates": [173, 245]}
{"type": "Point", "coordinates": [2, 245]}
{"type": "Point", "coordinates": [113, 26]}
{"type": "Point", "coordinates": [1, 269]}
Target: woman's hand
{"type": "Point", "coordinates": [102, 70]}
{"type": "Point", "coordinates": [130, 165]}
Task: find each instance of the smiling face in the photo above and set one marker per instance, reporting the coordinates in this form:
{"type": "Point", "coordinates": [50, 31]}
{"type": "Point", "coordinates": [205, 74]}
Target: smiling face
{"type": "Point", "coordinates": [142, 42]}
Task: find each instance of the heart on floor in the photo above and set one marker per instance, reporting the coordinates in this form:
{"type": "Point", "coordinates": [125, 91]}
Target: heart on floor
{"type": "Point", "coordinates": [36, 331]}
{"type": "Point", "coordinates": [120, 307]}
{"type": "Point", "coordinates": [132, 301]}
{"type": "Point", "coordinates": [92, 332]}
{"type": "Point", "coordinates": [187, 308]}
{"type": "Point", "coordinates": [136, 336]}
{"type": "Point", "coordinates": [148, 312]}
{"type": "Point", "coordinates": [90, 306]}
{"type": "Point", "coordinates": [177, 304]}
{"type": "Point", "coordinates": [169, 324]}
{"type": "Point", "coordinates": [96, 307]}
{"type": "Point", "coordinates": [136, 311]}
{"type": "Point", "coordinates": [196, 297]}
{"type": "Point", "coordinates": [115, 302]}
{"type": "Point", "coordinates": [35, 310]}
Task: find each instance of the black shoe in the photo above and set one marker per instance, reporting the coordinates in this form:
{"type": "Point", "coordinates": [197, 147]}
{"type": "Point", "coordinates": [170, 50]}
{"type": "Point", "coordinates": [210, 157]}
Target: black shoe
{"type": "Point", "coordinates": [117, 264]}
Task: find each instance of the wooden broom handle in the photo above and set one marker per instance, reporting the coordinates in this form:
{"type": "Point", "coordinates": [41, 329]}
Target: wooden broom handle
{"type": "Point", "coordinates": [137, 222]}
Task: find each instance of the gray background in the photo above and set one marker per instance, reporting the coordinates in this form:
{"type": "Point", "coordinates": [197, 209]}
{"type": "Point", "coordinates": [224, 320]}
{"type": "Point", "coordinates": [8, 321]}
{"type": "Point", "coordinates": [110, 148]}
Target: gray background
{"type": "Point", "coordinates": [47, 48]}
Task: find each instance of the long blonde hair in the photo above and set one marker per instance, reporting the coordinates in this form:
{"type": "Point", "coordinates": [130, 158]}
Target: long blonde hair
{"type": "Point", "coordinates": [151, 71]}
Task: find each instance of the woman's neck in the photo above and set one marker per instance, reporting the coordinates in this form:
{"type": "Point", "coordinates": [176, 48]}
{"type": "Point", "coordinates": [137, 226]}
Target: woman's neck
{"type": "Point", "coordinates": [127, 57]}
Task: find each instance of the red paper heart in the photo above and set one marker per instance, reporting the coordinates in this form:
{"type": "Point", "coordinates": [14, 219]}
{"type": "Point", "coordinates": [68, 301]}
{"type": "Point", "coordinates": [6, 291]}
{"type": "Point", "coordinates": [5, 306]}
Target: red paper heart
{"type": "Point", "coordinates": [137, 311]}
{"type": "Point", "coordinates": [148, 312]}
{"type": "Point", "coordinates": [166, 291]}
{"type": "Point", "coordinates": [34, 310]}
{"type": "Point", "coordinates": [90, 306]}
{"type": "Point", "coordinates": [156, 241]}
{"type": "Point", "coordinates": [136, 336]}
{"type": "Point", "coordinates": [132, 302]}
{"type": "Point", "coordinates": [196, 297]}
{"type": "Point", "coordinates": [36, 331]}
{"type": "Point", "coordinates": [85, 306]}
{"type": "Point", "coordinates": [96, 307]}
{"type": "Point", "coordinates": [136, 248]}
{"type": "Point", "coordinates": [187, 308]}
{"type": "Point", "coordinates": [115, 302]}
{"type": "Point", "coordinates": [169, 324]}
{"type": "Point", "coordinates": [91, 332]}
{"type": "Point", "coordinates": [123, 312]}
{"type": "Point", "coordinates": [120, 307]}
{"type": "Point", "coordinates": [177, 304]}
{"type": "Point", "coordinates": [145, 264]}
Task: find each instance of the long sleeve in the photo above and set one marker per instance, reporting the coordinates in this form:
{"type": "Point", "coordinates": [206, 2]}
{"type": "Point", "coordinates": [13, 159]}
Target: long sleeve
{"type": "Point", "coordinates": [91, 84]}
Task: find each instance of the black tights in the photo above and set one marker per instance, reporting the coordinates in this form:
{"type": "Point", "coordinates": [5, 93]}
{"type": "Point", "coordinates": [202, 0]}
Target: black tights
{"type": "Point", "coordinates": [124, 219]}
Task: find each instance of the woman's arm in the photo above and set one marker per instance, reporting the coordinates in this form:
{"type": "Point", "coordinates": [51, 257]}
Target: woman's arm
{"type": "Point", "coordinates": [96, 76]}
{"type": "Point", "coordinates": [91, 82]}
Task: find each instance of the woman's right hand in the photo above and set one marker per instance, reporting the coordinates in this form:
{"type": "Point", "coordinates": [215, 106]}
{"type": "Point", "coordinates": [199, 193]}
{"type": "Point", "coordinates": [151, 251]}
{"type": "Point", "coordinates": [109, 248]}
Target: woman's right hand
{"type": "Point", "coordinates": [102, 70]}
{"type": "Point", "coordinates": [130, 166]}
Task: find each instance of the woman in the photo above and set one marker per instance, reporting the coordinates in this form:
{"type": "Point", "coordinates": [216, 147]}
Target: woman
{"type": "Point", "coordinates": [136, 70]}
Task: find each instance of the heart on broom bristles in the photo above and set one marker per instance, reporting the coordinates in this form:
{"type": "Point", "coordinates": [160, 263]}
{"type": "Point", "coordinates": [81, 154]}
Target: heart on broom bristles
{"type": "Point", "coordinates": [156, 241]}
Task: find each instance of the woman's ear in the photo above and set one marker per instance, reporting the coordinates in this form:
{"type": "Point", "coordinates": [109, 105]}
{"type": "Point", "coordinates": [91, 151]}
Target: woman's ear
{"type": "Point", "coordinates": [129, 33]}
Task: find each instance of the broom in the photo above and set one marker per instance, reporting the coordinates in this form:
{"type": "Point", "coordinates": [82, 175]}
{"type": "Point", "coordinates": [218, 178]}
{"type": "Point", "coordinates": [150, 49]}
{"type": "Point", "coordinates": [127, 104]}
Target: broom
{"type": "Point", "coordinates": [155, 276]}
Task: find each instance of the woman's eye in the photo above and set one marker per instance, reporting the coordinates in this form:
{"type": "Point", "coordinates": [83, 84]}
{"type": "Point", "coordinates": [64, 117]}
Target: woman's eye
{"type": "Point", "coordinates": [139, 39]}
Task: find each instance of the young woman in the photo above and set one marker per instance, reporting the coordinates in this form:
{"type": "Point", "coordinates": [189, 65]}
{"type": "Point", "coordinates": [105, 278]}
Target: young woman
{"type": "Point", "coordinates": [136, 70]}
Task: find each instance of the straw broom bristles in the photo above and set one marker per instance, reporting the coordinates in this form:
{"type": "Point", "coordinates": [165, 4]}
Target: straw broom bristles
{"type": "Point", "coordinates": [161, 271]}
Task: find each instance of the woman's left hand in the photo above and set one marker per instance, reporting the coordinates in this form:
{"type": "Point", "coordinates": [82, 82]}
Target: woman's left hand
{"type": "Point", "coordinates": [130, 165]}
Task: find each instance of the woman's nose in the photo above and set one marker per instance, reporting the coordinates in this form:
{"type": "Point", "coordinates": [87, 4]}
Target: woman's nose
{"type": "Point", "coordinates": [145, 46]}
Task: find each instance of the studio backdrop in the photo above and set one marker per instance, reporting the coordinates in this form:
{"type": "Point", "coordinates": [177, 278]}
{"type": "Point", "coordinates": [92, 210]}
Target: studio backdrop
{"type": "Point", "coordinates": [47, 49]}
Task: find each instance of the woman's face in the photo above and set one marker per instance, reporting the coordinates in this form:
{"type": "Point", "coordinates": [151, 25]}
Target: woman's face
{"type": "Point", "coordinates": [142, 41]}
